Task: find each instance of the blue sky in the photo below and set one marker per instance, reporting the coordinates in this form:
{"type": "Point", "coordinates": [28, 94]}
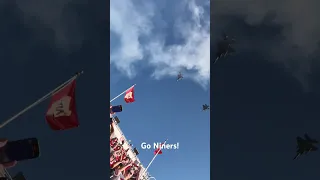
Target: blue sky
{"type": "Point", "coordinates": [150, 43]}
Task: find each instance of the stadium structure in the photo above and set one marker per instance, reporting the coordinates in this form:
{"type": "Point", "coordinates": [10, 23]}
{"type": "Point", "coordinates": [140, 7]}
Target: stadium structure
{"type": "Point", "coordinates": [132, 152]}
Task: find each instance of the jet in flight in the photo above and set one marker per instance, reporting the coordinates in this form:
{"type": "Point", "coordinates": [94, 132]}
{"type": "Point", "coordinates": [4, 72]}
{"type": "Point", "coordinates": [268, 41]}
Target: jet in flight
{"type": "Point", "coordinates": [305, 145]}
{"type": "Point", "coordinates": [224, 47]}
{"type": "Point", "coordinates": [205, 107]}
{"type": "Point", "coordinates": [180, 76]}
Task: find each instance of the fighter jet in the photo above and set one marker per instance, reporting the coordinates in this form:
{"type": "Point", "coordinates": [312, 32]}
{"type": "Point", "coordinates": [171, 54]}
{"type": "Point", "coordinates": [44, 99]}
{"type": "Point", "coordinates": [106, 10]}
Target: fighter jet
{"type": "Point", "coordinates": [180, 76]}
{"type": "Point", "coordinates": [224, 47]}
{"type": "Point", "coordinates": [305, 146]}
{"type": "Point", "coordinates": [205, 107]}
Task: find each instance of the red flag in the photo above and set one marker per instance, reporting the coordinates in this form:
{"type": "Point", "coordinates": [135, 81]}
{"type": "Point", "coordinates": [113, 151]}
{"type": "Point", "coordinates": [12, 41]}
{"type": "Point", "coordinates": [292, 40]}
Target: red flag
{"type": "Point", "coordinates": [129, 97]}
{"type": "Point", "coordinates": [62, 113]}
{"type": "Point", "coordinates": [158, 150]}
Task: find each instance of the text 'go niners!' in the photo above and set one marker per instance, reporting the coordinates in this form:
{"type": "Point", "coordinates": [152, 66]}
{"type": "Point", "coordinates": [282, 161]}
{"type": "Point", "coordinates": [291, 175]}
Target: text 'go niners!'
{"type": "Point", "coordinates": [160, 145]}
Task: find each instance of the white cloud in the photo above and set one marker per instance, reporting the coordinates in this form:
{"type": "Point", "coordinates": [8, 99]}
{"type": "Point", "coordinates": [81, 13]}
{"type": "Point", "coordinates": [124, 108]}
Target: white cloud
{"type": "Point", "coordinates": [139, 41]}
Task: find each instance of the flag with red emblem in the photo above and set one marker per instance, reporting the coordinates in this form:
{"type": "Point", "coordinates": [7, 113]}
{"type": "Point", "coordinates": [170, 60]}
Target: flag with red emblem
{"type": "Point", "coordinates": [62, 113]}
{"type": "Point", "coordinates": [129, 97]}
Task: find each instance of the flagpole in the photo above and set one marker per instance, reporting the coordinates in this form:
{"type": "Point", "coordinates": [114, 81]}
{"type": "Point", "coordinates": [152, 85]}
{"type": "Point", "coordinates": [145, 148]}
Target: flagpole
{"type": "Point", "coordinates": [122, 93]}
{"type": "Point", "coordinates": [154, 157]}
{"type": "Point", "coordinates": [54, 91]}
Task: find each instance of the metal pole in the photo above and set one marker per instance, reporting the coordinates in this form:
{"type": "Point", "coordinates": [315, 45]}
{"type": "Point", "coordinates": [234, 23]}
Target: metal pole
{"type": "Point", "coordinates": [41, 99]}
{"type": "Point", "coordinates": [122, 93]}
{"type": "Point", "coordinates": [145, 170]}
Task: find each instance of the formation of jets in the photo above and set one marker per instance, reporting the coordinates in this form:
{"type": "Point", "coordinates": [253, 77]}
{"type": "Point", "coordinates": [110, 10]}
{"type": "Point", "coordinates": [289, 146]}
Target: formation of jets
{"type": "Point", "coordinates": [305, 146]}
{"type": "Point", "coordinates": [224, 47]}
{"type": "Point", "coordinates": [205, 107]}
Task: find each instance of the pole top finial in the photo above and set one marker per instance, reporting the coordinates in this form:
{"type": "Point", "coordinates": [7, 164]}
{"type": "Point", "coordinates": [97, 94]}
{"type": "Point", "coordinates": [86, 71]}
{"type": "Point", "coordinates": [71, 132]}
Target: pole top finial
{"type": "Point", "coordinates": [79, 73]}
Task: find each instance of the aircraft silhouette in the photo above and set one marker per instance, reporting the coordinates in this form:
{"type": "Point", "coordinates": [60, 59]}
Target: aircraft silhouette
{"type": "Point", "coordinates": [180, 76]}
{"type": "Point", "coordinates": [205, 107]}
{"type": "Point", "coordinates": [305, 146]}
{"type": "Point", "coordinates": [224, 47]}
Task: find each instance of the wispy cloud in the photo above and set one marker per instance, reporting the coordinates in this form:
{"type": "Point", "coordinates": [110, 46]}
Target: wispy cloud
{"type": "Point", "coordinates": [136, 40]}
